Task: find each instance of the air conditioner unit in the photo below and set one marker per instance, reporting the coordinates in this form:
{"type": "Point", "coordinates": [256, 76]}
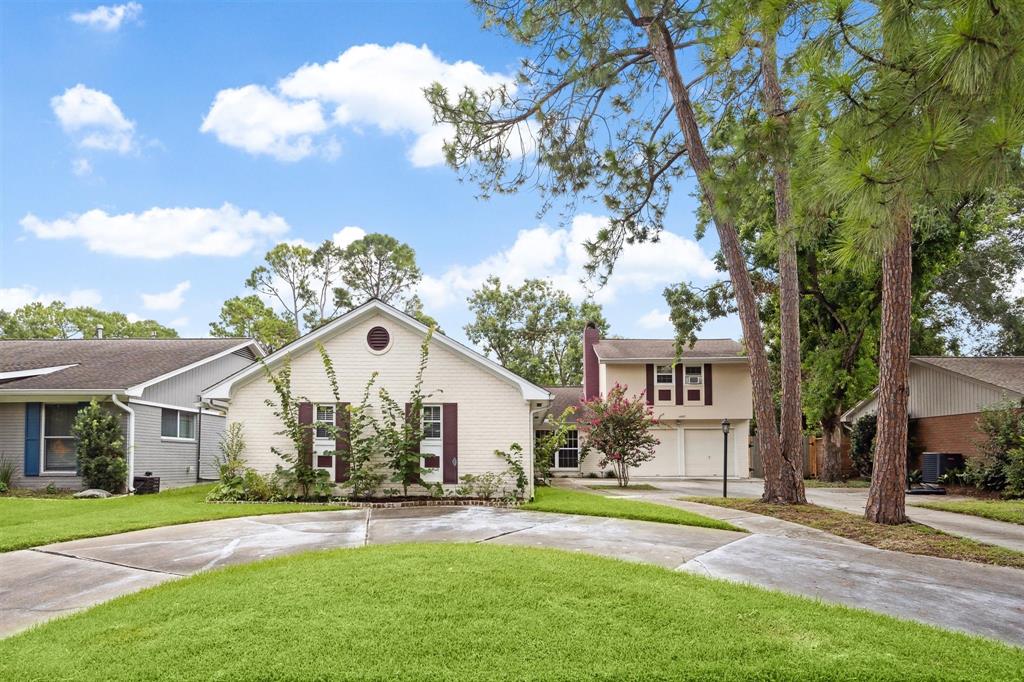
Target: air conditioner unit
{"type": "Point", "coordinates": [693, 379]}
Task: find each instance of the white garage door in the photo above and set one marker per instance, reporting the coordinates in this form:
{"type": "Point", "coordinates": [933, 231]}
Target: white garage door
{"type": "Point", "coordinates": [666, 455]}
{"type": "Point", "coordinates": [703, 452]}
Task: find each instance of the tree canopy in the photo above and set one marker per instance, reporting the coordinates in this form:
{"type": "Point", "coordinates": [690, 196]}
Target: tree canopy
{"type": "Point", "coordinates": [57, 321]}
{"type": "Point", "coordinates": [533, 329]}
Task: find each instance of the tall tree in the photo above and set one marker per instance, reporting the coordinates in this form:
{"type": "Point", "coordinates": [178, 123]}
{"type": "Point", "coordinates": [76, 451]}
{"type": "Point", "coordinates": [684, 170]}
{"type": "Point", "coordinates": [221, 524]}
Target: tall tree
{"type": "Point", "coordinates": [533, 329]}
{"type": "Point", "coordinates": [927, 109]}
{"type": "Point", "coordinates": [286, 277]}
{"type": "Point", "coordinates": [56, 321]}
{"type": "Point", "coordinates": [379, 266]}
{"type": "Point", "coordinates": [603, 106]}
{"type": "Point", "coordinates": [250, 317]}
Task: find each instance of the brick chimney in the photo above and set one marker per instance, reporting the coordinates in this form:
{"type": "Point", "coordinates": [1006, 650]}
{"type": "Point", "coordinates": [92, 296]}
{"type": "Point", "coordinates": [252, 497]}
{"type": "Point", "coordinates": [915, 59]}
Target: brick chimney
{"type": "Point", "coordinates": [591, 380]}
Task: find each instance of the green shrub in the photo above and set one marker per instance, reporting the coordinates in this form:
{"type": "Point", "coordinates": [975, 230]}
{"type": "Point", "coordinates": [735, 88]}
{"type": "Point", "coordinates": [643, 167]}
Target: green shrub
{"type": "Point", "coordinates": [100, 448]}
{"type": "Point", "coordinates": [7, 469]}
{"type": "Point", "coordinates": [258, 487]}
{"type": "Point", "coordinates": [4, 488]}
{"type": "Point", "coordinates": [862, 444]}
{"type": "Point", "coordinates": [230, 486]}
{"type": "Point", "coordinates": [1014, 473]}
{"type": "Point", "coordinates": [485, 486]}
{"type": "Point", "coordinates": [1001, 447]}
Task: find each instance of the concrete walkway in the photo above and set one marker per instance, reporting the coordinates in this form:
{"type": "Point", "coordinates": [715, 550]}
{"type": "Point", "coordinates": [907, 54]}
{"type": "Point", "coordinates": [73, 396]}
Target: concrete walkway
{"type": "Point", "coordinates": [1001, 533]}
{"type": "Point", "coordinates": [42, 583]}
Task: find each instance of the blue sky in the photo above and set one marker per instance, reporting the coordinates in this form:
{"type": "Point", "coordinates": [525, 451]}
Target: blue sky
{"type": "Point", "coordinates": [150, 153]}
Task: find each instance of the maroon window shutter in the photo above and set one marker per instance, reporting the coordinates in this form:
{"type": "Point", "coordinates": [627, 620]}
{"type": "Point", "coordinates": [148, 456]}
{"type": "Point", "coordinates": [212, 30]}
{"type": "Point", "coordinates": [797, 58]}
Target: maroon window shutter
{"type": "Point", "coordinates": [342, 443]}
{"type": "Point", "coordinates": [408, 416]}
{"type": "Point", "coordinates": [679, 384]}
{"type": "Point", "coordinates": [707, 384]}
{"type": "Point", "coordinates": [306, 417]}
{"type": "Point", "coordinates": [650, 384]}
{"type": "Point", "coordinates": [450, 442]}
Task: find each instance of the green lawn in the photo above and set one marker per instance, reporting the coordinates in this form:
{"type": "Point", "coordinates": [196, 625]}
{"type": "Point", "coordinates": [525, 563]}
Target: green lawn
{"type": "Point", "coordinates": [549, 499]}
{"type": "Point", "coordinates": [1011, 511]}
{"type": "Point", "coordinates": [28, 521]}
{"type": "Point", "coordinates": [460, 612]}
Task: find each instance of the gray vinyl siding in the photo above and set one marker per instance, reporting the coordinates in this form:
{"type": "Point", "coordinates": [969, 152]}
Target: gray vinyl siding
{"type": "Point", "coordinates": [213, 429]}
{"type": "Point", "coordinates": [184, 388]}
{"type": "Point", "coordinates": [12, 444]}
{"type": "Point", "coordinates": [173, 461]}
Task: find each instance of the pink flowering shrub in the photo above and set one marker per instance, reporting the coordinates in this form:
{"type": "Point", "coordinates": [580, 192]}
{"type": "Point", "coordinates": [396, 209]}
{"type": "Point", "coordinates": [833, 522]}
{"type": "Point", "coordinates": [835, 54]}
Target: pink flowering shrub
{"type": "Point", "coordinates": [618, 427]}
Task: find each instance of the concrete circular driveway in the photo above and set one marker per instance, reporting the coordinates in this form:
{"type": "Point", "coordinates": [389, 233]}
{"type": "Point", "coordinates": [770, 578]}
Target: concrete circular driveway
{"type": "Point", "coordinates": [45, 582]}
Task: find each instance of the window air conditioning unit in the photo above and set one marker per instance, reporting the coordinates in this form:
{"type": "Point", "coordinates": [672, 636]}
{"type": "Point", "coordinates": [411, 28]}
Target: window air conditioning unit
{"type": "Point", "coordinates": [693, 379]}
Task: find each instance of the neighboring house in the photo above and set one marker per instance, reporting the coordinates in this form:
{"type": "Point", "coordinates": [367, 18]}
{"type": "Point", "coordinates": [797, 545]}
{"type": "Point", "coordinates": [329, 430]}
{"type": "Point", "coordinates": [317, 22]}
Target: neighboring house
{"type": "Point", "coordinates": [153, 385]}
{"type": "Point", "coordinates": [947, 395]}
{"type": "Point", "coordinates": [709, 383]}
{"type": "Point", "coordinates": [475, 406]}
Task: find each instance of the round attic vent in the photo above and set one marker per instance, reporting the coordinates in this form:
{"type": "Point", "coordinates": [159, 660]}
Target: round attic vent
{"type": "Point", "coordinates": [378, 338]}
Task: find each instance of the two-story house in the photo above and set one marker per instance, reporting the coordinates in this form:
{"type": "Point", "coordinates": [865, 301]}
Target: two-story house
{"type": "Point", "coordinates": [690, 398]}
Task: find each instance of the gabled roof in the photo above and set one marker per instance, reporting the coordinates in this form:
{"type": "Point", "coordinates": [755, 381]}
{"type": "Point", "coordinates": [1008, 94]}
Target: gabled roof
{"type": "Point", "coordinates": [612, 350]}
{"type": "Point", "coordinates": [121, 365]}
{"type": "Point", "coordinates": [1007, 372]}
{"type": "Point", "coordinates": [222, 390]}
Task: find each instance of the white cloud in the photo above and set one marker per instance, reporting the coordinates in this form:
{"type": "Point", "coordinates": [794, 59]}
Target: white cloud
{"type": "Point", "coordinates": [93, 120]}
{"type": "Point", "coordinates": [559, 255]}
{"type": "Point", "coordinates": [15, 297]}
{"type": "Point", "coordinates": [108, 17]}
{"type": "Point", "coordinates": [179, 322]}
{"type": "Point", "coordinates": [367, 85]}
{"type": "Point", "coordinates": [347, 235]}
{"type": "Point", "coordinates": [164, 232]}
{"type": "Point", "coordinates": [655, 320]}
{"type": "Point", "coordinates": [167, 300]}
{"type": "Point", "coordinates": [81, 167]}
{"type": "Point", "coordinates": [260, 122]}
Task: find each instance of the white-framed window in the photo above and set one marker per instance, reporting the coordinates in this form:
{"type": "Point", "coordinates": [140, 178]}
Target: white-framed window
{"type": "Point", "coordinates": [177, 424]}
{"type": "Point", "coordinates": [568, 456]}
{"type": "Point", "coordinates": [60, 447]}
{"type": "Point", "coordinates": [324, 415]}
{"type": "Point", "coordinates": [695, 375]}
{"type": "Point", "coordinates": [663, 374]}
{"type": "Point", "coordinates": [431, 421]}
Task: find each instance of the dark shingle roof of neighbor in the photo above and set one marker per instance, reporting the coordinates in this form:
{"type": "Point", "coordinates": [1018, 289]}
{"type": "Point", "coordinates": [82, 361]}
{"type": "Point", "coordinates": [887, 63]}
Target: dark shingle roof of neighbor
{"type": "Point", "coordinates": [102, 363]}
{"type": "Point", "coordinates": [564, 396]}
{"type": "Point", "coordinates": [664, 349]}
{"type": "Point", "coordinates": [1006, 372]}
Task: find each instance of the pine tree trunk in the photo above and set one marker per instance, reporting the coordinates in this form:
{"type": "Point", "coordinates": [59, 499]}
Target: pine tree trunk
{"type": "Point", "coordinates": [789, 485]}
{"type": "Point", "coordinates": [743, 290]}
{"type": "Point", "coordinates": [886, 503]}
{"type": "Point", "coordinates": [831, 460]}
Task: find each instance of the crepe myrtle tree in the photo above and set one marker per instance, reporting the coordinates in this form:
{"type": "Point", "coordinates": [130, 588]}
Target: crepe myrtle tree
{"type": "Point", "coordinates": [619, 428]}
{"type": "Point", "coordinates": [604, 109]}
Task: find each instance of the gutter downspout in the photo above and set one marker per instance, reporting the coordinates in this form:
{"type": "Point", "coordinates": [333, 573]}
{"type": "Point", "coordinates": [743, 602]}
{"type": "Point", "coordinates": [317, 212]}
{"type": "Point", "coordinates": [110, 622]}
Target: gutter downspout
{"type": "Point", "coordinates": [131, 440]}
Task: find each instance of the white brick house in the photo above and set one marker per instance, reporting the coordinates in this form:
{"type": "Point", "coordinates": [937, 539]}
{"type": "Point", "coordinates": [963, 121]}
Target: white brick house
{"type": "Point", "coordinates": [475, 405]}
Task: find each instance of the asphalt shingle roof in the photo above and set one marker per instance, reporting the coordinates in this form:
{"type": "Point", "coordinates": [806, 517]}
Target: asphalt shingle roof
{"type": "Point", "coordinates": [563, 397]}
{"type": "Point", "coordinates": [1006, 372]}
{"type": "Point", "coordinates": [664, 349]}
{"type": "Point", "coordinates": [102, 363]}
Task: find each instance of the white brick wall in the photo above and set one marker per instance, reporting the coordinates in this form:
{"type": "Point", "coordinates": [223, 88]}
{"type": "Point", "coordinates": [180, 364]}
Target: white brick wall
{"type": "Point", "coordinates": [492, 412]}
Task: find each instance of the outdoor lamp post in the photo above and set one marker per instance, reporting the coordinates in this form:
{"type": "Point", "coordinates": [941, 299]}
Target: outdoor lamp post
{"type": "Point", "coordinates": [725, 457]}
